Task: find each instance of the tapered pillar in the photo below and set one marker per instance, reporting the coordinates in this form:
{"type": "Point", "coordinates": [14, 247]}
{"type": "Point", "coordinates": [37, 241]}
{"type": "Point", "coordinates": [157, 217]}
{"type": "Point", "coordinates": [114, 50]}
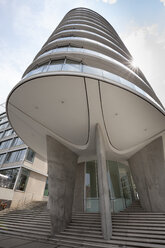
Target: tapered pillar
{"type": "Point", "coordinates": [61, 175]}
{"type": "Point", "coordinates": [104, 199]}
{"type": "Point", "coordinates": [148, 171]}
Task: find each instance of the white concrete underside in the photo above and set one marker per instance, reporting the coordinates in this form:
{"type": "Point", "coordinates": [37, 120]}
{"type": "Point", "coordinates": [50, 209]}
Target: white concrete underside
{"type": "Point", "coordinates": [64, 108]}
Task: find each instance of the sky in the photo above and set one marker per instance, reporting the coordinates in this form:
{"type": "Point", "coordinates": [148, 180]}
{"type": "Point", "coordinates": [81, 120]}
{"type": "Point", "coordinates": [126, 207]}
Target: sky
{"type": "Point", "coordinates": [25, 25]}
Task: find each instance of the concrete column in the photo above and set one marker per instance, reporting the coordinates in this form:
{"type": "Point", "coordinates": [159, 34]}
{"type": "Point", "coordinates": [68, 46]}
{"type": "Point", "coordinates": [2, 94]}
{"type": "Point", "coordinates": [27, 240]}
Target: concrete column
{"type": "Point", "coordinates": [148, 171]}
{"type": "Point", "coordinates": [78, 203]}
{"type": "Point", "coordinates": [61, 177]}
{"type": "Point", "coordinates": [105, 207]}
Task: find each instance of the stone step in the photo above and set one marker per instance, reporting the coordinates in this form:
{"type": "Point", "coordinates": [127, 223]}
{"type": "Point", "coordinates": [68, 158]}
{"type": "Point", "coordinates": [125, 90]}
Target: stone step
{"type": "Point", "coordinates": [86, 218]}
{"type": "Point", "coordinates": [62, 240]}
{"type": "Point", "coordinates": [147, 231]}
{"type": "Point", "coordinates": [26, 219]}
{"type": "Point", "coordinates": [121, 243]}
{"type": "Point", "coordinates": [85, 221]}
{"type": "Point", "coordinates": [84, 224]}
{"type": "Point", "coordinates": [27, 215]}
{"type": "Point", "coordinates": [138, 218]}
{"type": "Point", "coordinates": [139, 221]}
{"type": "Point", "coordinates": [25, 228]}
{"type": "Point", "coordinates": [20, 223]}
{"type": "Point", "coordinates": [139, 239]}
{"type": "Point", "coordinates": [139, 214]}
{"type": "Point", "coordinates": [89, 235]}
{"type": "Point", "coordinates": [85, 228]}
{"type": "Point", "coordinates": [86, 244]}
{"type": "Point", "coordinates": [141, 235]}
{"type": "Point", "coordinates": [22, 231]}
{"type": "Point", "coordinates": [24, 212]}
{"type": "Point", "coordinates": [139, 227]}
{"type": "Point", "coordinates": [139, 224]}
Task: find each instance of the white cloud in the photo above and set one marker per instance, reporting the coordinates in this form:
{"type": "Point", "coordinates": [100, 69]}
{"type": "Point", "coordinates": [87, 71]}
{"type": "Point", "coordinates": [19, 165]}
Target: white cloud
{"type": "Point", "coordinates": [109, 1]}
{"type": "Point", "coordinates": [163, 1]}
{"type": "Point", "coordinates": [30, 29]}
{"type": "Point", "coordinates": [147, 46]}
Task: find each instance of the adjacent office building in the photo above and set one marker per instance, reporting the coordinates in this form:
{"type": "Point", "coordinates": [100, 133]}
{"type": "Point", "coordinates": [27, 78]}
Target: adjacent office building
{"type": "Point", "coordinates": [85, 108]}
{"type": "Point", "coordinates": [23, 173]}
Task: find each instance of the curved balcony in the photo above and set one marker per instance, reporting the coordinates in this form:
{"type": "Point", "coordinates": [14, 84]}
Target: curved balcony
{"type": "Point", "coordinates": [73, 66]}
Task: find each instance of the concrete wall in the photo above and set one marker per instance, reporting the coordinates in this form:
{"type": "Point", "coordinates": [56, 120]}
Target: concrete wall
{"type": "Point", "coordinates": [78, 202]}
{"type": "Point", "coordinates": [6, 194]}
{"type": "Point", "coordinates": [61, 175]}
{"type": "Point", "coordinates": [34, 190]}
{"type": "Point", "coordinates": [148, 171]}
{"type": "Point", "coordinates": [39, 164]}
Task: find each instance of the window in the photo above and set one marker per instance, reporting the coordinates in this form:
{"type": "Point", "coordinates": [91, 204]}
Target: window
{"type": "Point", "coordinates": [23, 179]}
{"type": "Point", "coordinates": [15, 156]}
{"type": "Point", "coordinates": [5, 144]}
{"type": "Point", "coordinates": [3, 120]}
{"type": "Point", "coordinates": [2, 157]}
{"type": "Point", "coordinates": [46, 192]}
{"type": "Point", "coordinates": [92, 70]}
{"type": "Point", "coordinates": [17, 142]}
{"type": "Point", "coordinates": [4, 125]}
{"type": "Point", "coordinates": [91, 180]}
{"type": "Point", "coordinates": [1, 134]}
{"type": "Point", "coordinates": [56, 65]}
{"type": "Point", "coordinates": [8, 177]}
{"type": "Point", "coordinates": [71, 65]}
{"type": "Point", "coordinates": [8, 132]}
{"type": "Point", "coordinates": [30, 155]}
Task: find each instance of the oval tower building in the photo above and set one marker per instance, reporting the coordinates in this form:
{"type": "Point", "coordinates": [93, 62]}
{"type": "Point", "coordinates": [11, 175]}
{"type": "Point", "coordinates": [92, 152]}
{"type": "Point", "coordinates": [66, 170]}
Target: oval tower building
{"type": "Point", "coordinates": [81, 100]}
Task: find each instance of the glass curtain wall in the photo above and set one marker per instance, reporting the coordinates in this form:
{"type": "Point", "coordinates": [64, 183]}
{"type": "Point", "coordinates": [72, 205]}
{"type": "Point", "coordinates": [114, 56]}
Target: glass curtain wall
{"type": "Point", "coordinates": [8, 178]}
{"type": "Point", "coordinates": [91, 187]}
{"type": "Point", "coordinates": [120, 186]}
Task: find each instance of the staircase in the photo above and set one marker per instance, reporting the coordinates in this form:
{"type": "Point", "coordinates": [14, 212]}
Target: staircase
{"type": "Point", "coordinates": [133, 228]}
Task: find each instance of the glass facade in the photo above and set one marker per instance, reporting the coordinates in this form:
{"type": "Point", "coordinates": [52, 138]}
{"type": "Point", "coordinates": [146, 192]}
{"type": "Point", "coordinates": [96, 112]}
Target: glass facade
{"type": "Point", "coordinates": [16, 142]}
{"type": "Point", "coordinates": [8, 177]}
{"type": "Point", "coordinates": [120, 186]}
{"type": "Point", "coordinates": [70, 65]}
{"type": "Point", "coordinates": [4, 125]}
{"type": "Point", "coordinates": [91, 187]}
{"type": "Point", "coordinates": [46, 190]}
{"type": "Point", "coordinates": [23, 179]}
{"type": "Point", "coordinates": [30, 155]}
{"type": "Point", "coordinates": [5, 144]}
{"type": "Point", "coordinates": [15, 156]}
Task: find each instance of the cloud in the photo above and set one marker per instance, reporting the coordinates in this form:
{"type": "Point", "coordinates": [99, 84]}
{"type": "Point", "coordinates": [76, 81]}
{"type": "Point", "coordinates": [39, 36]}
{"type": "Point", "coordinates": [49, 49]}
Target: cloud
{"type": "Point", "coordinates": [147, 46]}
{"type": "Point", "coordinates": [30, 26]}
{"type": "Point", "coordinates": [163, 1]}
{"type": "Point", "coordinates": [109, 1]}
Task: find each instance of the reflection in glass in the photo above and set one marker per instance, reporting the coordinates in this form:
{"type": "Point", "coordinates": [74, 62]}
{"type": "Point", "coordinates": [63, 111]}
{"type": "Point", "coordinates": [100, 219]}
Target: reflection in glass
{"type": "Point", "coordinates": [2, 157]}
{"type": "Point", "coordinates": [23, 179]}
{"type": "Point", "coordinates": [30, 155]}
{"type": "Point", "coordinates": [56, 65]}
{"type": "Point", "coordinates": [15, 156]}
{"type": "Point", "coordinates": [5, 144]}
{"type": "Point", "coordinates": [8, 132]}
{"type": "Point", "coordinates": [8, 177]}
{"type": "Point", "coordinates": [16, 142]}
{"type": "Point", "coordinates": [4, 125]}
{"type": "Point", "coordinates": [46, 192]}
{"type": "Point", "coordinates": [92, 70]}
{"type": "Point", "coordinates": [91, 184]}
{"type": "Point", "coordinates": [71, 65]}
